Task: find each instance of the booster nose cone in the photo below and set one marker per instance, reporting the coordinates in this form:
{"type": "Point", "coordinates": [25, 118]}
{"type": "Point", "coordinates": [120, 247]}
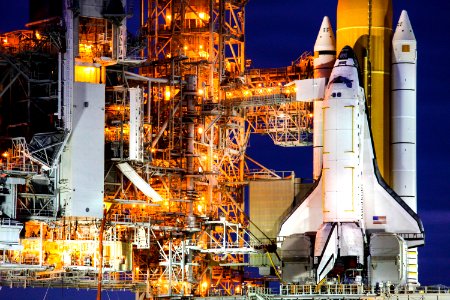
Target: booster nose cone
{"type": "Point", "coordinates": [325, 39]}
{"type": "Point", "coordinates": [404, 31]}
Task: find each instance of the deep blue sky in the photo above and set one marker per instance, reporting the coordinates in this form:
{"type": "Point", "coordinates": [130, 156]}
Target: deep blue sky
{"type": "Point", "coordinates": [277, 32]}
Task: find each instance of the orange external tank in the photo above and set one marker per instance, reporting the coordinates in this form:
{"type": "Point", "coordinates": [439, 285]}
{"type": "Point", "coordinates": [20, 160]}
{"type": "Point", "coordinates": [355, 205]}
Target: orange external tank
{"type": "Point", "coordinates": [366, 26]}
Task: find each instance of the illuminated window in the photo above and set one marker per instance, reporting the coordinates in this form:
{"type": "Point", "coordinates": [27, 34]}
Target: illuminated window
{"type": "Point", "coordinates": [91, 74]}
{"type": "Point", "coordinates": [405, 48]}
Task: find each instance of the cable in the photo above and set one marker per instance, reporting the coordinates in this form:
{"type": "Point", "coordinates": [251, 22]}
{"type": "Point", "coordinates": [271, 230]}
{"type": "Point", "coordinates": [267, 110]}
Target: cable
{"type": "Point", "coordinates": [274, 267]}
{"type": "Point", "coordinates": [46, 292]}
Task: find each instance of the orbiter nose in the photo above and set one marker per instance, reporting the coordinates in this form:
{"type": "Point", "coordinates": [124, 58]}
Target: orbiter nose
{"type": "Point", "coordinates": [346, 53]}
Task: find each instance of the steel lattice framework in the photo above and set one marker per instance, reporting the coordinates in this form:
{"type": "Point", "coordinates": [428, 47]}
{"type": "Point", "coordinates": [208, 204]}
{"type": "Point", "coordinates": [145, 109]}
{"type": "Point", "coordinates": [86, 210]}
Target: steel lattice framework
{"type": "Point", "coordinates": [180, 129]}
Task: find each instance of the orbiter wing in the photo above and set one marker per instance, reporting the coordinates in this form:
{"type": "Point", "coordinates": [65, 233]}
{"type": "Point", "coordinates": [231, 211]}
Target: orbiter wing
{"type": "Point", "coordinates": [384, 210]}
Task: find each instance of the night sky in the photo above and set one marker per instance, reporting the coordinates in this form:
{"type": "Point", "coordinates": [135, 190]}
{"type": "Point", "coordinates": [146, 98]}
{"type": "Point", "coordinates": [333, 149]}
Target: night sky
{"type": "Point", "coordinates": [277, 33]}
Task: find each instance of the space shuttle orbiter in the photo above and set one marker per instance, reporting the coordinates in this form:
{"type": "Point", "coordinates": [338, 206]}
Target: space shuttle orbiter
{"type": "Point", "coordinates": [351, 219]}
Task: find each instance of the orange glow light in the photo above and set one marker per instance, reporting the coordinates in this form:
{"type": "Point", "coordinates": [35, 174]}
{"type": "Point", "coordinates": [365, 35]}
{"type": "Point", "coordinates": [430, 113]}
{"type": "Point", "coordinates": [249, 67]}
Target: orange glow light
{"type": "Point", "coordinates": [238, 290]}
{"type": "Point", "coordinates": [167, 93]}
{"type": "Point", "coordinates": [204, 285]}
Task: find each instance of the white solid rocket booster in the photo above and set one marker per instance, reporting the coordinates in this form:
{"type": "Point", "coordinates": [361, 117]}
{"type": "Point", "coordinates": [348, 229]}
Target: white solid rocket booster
{"type": "Point", "coordinates": [403, 110]}
{"type": "Point", "coordinates": [324, 57]}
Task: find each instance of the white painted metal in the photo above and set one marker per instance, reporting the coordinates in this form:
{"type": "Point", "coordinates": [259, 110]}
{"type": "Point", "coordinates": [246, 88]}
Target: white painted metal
{"type": "Point", "coordinates": [404, 112]}
{"type": "Point", "coordinates": [142, 238]}
{"type": "Point", "coordinates": [122, 47]}
{"type": "Point", "coordinates": [343, 110]}
{"type": "Point", "coordinates": [58, 112]}
{"type": "Point", "coordinates": [136, 142]}
{"type": "Point", "coordinates": [387, 258]}
{"type": "Point", "coordinates": [8, 207]}
{"type": "Point", "coordinates": [337, 239]}
{"type": "Point", "coordinates": [376, 200]}
{"type": "Point", "coordinates": [326, 249]}
{"type": "Point", "coordinates": [351, 193]}
{"type": "Point", "coordinates": [10, 234]}
{"type": "Point", "coordinates": [82, 167]}
{"type": "Point", "coordinates": [68, 68]}
{"type": "Point", "coordinates": [139, 182]}
{"type": "Point", "coordinates": [379, 202]}
{"type": "Point", "coordinates": [353, 243]}
{"type": "Point", "coordinates": [317, 138]}
{"type": "Point", "coordinates": [307, 90]}
{"type": "Point", "coordinates": [324, 50]}
{"type": "Point", "coordinates": [307, 217]}
{"type": "Point", "coordinates": [324, 57]}
{"type": "Point", "coordinates": [404, 58]}
{"type": "Point", "coordinates": [220, 242]}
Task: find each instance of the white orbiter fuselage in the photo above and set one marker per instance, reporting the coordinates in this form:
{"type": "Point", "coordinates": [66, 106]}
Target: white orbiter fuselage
{"type": "Point", "coordinates": [350, 202]}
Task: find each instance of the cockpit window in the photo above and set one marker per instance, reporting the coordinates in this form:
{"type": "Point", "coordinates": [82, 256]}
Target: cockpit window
{"type": "Point", "coordinates": [341, 79]}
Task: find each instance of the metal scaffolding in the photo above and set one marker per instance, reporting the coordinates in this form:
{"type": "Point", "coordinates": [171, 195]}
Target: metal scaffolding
{"type": "Point", "coordinates": [175, 135]}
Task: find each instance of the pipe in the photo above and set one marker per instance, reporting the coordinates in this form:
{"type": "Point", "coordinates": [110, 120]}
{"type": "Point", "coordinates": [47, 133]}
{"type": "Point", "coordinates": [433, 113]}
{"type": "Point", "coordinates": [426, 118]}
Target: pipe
{"type": "Point", "coordinates": [143, 78]}
{"type": "Point", "coordinates": [164, 126]}
{"type": "Point", "coordinates": [59, 86]}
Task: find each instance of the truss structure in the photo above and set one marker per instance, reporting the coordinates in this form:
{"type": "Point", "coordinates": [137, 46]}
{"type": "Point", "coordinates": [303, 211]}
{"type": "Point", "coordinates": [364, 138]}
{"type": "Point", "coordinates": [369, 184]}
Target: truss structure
{"type": "Point", "coordinates": [173, 224]}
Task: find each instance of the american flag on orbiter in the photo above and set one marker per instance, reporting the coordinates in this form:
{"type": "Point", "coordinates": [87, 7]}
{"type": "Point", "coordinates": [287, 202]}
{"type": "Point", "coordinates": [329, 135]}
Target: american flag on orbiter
{"type": "Point", "coordinates": [379, 219]}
